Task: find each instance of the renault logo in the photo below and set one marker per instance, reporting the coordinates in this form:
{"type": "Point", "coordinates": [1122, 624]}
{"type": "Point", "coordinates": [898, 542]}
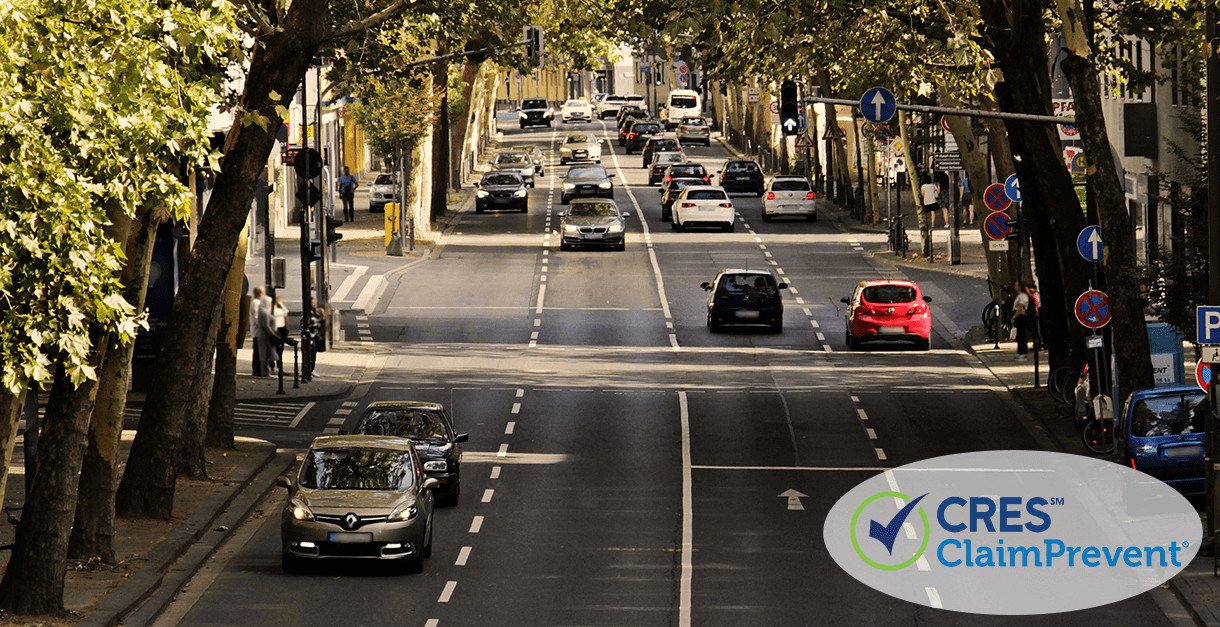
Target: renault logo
{"type": "Point", "coordinates": [350, 521]}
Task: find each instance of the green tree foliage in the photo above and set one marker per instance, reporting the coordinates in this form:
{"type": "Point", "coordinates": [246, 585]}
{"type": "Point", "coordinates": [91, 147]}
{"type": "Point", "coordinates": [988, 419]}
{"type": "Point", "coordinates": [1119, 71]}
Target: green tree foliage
{"type": "Point", "coordinates": [102, 107]}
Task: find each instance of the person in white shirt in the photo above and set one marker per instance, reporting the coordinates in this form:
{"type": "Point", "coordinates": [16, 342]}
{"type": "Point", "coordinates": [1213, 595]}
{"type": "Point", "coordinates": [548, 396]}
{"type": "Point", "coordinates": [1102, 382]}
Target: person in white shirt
{"type": "Point", "coordinates": [1021, 318]}
{"type": "Point", "coordinates": [279, 326]}
{"type": "Point", "coordinates": [260, 305]}
{"type": "Point", "coordinates": [930, 195]}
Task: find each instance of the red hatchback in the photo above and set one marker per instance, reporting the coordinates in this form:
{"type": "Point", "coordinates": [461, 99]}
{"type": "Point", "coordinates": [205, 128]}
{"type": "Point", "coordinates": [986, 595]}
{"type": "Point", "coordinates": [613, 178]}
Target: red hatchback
{"type": "Point", "coordinates": [888, 311]}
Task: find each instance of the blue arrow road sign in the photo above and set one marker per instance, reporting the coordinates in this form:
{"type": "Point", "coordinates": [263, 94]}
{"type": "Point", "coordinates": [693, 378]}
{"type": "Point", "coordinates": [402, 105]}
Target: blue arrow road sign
{"type": "Point", "coordinates": [1012, 187]}
{"type": "Point", "coordinates": [878, 105]}
{"type": "Point", "coordinates": [1207, 325]}
{"type": "Point", "coordinates": [1089, 244]}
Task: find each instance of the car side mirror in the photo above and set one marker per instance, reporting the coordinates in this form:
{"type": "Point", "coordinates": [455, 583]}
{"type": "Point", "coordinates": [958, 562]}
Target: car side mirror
{"type": "Point", "coordinates": [706, 286]}
{"type": "Point", "coordinates": [461, 437]}
{"type": "Point", "coordinates": [612, 175]}
{"type": "Point", "coordinates": [430, 484]}
{"type": "Point", "coordinates": [660, 190]}
{"type": "Point", "coordinates": [927, 299]}
{"type": "Point", "coordinates": [563, 176]}
{"type": "Point", "coordinates": [781, 286]}
{"type": "Point", "coordinates": [844, 301]}
{"type": "Point", "coordinates": [626, 214]}
{"type": "Point", "coordinates": [476, 183]}
{"type": "Point", "coordinates": [283, 481]}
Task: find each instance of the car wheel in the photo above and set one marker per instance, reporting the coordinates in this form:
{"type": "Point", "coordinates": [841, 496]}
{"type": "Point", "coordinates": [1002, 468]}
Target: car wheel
{"type": "Point", "coordinates": [666, 217]}
{"type": "Point", "coordinates": [532, 185]}
{"type": "Point", "coordinates": [564, 201]}
{"type": "Point", "coordinates": [621, 247]}
{"type": "Point", "coordinates": [707, 144]}
{"type": "Point", "coordinates": [563, 161]}
{"type": "Point", "coordinates": [712, 325]}
{"type": "Point", "coordinates": [673, 224]}
{"type": "Point", "coordinates": [564, 246]}
{"type": "Point", "coordinates": [525, 208]}
{"type": "Point", "coordinates": [847, 340]}
{"type": "Point", "coordinates": [522, 127]}
{"type": "Point", "coordinates": [924, 344]}
{"type": "Point", "coordinates": [730, 227]}
{"type": "Point", "coordinates": [778, 327]}
{"type": "Point", "coordinates": [478, 209]}
{"type": "Point", "coordinates": [759, 193]}
{"type": "Point", "coordinates": [291, 564]}
{"type": "Point", "coordinates": [426, 551]}
{"type": "Point", "coordinates": [413, 565]}
{"type": "Point", "coordinates": [813, 217]}
{"type": "Point", "coordinates": [629, 150]}
{"type": "Point", "coordinates": [766, 217]}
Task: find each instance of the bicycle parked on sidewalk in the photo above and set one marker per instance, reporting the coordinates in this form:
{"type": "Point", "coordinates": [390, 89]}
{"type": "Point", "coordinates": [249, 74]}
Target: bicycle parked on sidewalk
{"type": "Point", "coordinates": [997, 314]}
{"type": "Point", "coordinates": [896, 236]}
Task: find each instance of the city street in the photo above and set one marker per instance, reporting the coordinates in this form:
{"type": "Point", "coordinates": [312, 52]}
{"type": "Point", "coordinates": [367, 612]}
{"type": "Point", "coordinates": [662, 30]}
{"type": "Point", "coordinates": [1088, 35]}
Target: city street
{"type": "Point", "coordinates": [625, 465]}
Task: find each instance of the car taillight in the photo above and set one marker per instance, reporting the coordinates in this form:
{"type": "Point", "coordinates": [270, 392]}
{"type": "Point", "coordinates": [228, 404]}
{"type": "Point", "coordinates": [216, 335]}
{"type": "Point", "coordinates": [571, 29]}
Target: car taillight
{"type": "Point", "coordinates": [688, 204]}
{"type": "Point", "coordinates": [707, 179]}
{"type": "Point", "coordinates": [809, 196]}
{"type": "Point", "coordinates": [770, 195]}
{"type": "Point", "coordinates": [1132, 458]}
{"type": "Point", "coordinates": [728, 205]}
{"type": "Point", "coordinates": [668, 179]}
{"type": "Point", "coordinates": [630, 135]}
{"type": "Point", "coordinates": [917, 309]}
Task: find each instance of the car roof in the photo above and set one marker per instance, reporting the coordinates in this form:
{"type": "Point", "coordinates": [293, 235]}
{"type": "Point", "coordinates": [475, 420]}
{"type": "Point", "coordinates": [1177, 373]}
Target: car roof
{"type": "Point", "coordinates": [406, 404]}
{"type": "Point", "coordinates": [746, 271]}
{"type": "Point", "coordinates": [587, 201]}
{"type": "Point", "coordinates": [703, 187]}
{"type": "Point", "coordinates": [789, 177]}
{"type": "Point", "coordinates": [876, 282]}
{"type": "Point", "coordinates": [509, 172]}
{"type": "Point", "coordinates": [1168, 390]}
{"type": "Point", "coordinates": [363, 441]}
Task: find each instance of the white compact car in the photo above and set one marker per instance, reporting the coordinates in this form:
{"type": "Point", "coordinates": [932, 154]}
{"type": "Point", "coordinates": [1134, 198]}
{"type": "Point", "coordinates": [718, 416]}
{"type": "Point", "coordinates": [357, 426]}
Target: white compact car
{"type": "Point", "coordinates": [703, 205]}
{"type": "Point", "coordinates": [576, 111]}
{"type": "Point", "coordinates": [580, 148]}
{"type": "Point", "coordinates": [789, 196]}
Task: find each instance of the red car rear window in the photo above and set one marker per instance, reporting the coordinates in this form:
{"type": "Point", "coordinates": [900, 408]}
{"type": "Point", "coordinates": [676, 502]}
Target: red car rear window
{"type": "Point", "coordinates": [888, 294]}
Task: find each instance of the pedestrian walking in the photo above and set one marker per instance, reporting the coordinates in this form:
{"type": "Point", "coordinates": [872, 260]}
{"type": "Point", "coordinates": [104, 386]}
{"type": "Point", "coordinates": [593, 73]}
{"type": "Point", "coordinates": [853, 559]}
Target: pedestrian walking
{"type": "Point", "coordinates": [347, 192]}
{"type": "Point", "coordinates": [929, 194]}
{"type": "Point", "coordinates": [1021, 318]}
{"type": "Point", "coordinates": [279, 322]}
{"type": "Point", "coordinates": [967, 200]}
{"type": "Point", "coordinates": [942, 195]}
{"type": "Point", "coordinates": [260, 305]}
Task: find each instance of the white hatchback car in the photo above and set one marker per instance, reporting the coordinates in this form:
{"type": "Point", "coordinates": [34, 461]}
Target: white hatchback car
{"type": "Point", "coordinates": [789, 196]}
{"type": "Point", "coordinates": [703, 205]}
{"type": "Point", "coordinates": [576, 111]}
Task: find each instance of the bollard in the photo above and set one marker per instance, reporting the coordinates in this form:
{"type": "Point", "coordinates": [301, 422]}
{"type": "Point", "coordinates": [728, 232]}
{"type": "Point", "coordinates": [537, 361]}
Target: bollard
{"type": "Point", "coordinates": [296, 377]}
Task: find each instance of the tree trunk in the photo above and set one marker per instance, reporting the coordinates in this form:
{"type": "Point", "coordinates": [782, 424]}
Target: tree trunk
{"type": "Point", "coordinates": [224, 381]}
{"type": "Point", "coordinates": [1130, 345]}
{"type": "Point", "coordinates": [11, 406]}
{"type": "Point", "coordinates": [33, 583]}
{"type": "Point", "coordinates": [93, 526]}
{"type": "Point", "coordinates": [1015, 33]}
{"type": "Point", "coordinates": [923, 218]}
{"type": "Point", "coordinates": [277, 66]}
{"type": "Point", "coordinates": [461, 126]}
{"type": "Point", "coordinates": [1019, 263]}
{"type": "Point", "coordinates": [440, 145]}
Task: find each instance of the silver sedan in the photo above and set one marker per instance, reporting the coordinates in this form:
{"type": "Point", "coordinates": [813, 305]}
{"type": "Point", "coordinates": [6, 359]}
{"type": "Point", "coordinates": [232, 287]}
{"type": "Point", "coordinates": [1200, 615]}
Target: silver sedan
{"type": "Point", "coordinates": [581, 148]}
{"type": "Point", "coordinates": [358, 497]}
{"type": "Point", "coordinates": [593, 222]}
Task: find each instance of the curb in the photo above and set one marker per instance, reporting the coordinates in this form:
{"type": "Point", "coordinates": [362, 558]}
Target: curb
{"type": "Point", "coordinates": [189, 543]}
{"type": "Point", "coordinates": [1181, 590]}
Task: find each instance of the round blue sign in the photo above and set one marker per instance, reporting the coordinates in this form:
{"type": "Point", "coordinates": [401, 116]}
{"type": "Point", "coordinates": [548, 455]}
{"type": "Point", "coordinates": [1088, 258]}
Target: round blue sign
{"type": "Point", "coordinates": [878, 105]}
{"type": "Point", "coordinates": [1012, 187]}
{"type": "Point", "coordinates": [1089, 244]}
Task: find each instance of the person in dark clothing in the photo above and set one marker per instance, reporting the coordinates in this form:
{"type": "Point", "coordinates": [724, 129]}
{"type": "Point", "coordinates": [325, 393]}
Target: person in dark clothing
{"type": "Point", "coordinates": [347, 192]}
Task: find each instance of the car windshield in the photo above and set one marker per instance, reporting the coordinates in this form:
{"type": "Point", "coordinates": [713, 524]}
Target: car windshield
{"type": "Point", "coordinates": [645, 128]}
{"type": "Point", "coordinates": [706, 194]}
{"type": "Point", "coordinates": [668, 143]}
{"type": "Point", "coordinates": [501, 179]}
{"type": "Point", "coordinates": [889, 294]}
{"type": "Point", "coordinates": [665, 158]}
{"type": "Point", "coordinates": [383, 179]}
{"type": "Point", "coordinates": [587, 173]}
{"type": "Point", "coordinates": [512, 158]}
{"type": "Point", "coordinates": [577, 139]}
{"type": "Point", "coordinates": [1169, 415]}
{"type": "Point", "coordinates": [751, 283]}
{"type": "Point", "coordinates": [574, 103]}
{"type": "Point", "coordinates": [790, 185]}
{"type": "Point", "coordinates": [684, 169]}
{"type": "Point", "coordinates": [357, 468]}
{"type": "Point", "coordinates": [615, 99]}
{"type": "Point", "coordinates": [603, 209]}
{"type": "Point", "coordinates": [741, 166]}
{"type": "Point", "coordinates": [682, 102]}
{"type": "Point", "coordinates": [694, 121]}
{"type": "Point", "coordinates": [635, 99]}
{"type": "Point", "coordinates": [533, 104]}
{"type": "Point", "coordinates": [681, 184]}
{"type": "Point", "coordinates": [417, 424]}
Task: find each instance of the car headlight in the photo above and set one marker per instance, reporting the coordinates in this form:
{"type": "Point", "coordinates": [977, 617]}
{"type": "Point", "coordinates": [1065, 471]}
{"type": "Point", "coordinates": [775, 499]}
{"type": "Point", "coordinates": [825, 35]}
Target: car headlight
{"type": "Point", "coordinates": [521, 114]}
{"type": "Point", "coordinates": [605, 185]}
{"type": "Point", "coordinates": [405, 512]}
{"type": "Point", "coordinates": [481, 194]}
{"type": "Point", "coordinates": [567, 187]}
{"type": "Point", "coordinates": [437, 465]}
{"type": "Point", "coordinates": [565, 151]}
{"type": "Point", "coordinates": [299, 510]}
{"type": "Point", "coordinates": [517, 194]}
{"type": "Point", "coordinates": [615, 228]}
{"type": "Point", "coordinates": [571, 228]}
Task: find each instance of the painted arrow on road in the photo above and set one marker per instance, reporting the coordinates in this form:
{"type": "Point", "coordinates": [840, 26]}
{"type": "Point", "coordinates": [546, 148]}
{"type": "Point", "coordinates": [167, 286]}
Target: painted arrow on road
{"type": "Point", "coordinates": [794, 499]}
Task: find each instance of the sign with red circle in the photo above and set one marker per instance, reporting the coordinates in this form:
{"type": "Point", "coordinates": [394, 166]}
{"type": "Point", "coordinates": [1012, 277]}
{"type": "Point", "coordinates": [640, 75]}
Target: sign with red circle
{"type": "Point", "coordinates": [995, 197]}
{"type": "Point", "coordinates": [775, 107]}
{"type": "Point", "coordinates": [1093, 309]}
{"type": "Point", "coordinates": [1203, 375]}
{"type": "Point", "coordinates": [996, 226]}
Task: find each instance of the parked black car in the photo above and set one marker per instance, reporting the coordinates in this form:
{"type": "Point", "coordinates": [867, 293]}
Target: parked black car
{"type": "Point", "coordinates": [670, 190]}
{"type": "Point", "coordinates": [742, 176]}
{"type": "Point", "coordinates": [745, 297]}
{"type": "Point", "coordinates": [585, 182]}
{"type": "Point", "coordinates": [536, 112]}
{"type": "Point", "coordinates": [502, 190]}
{"type": "Point", "coordinates": [640, 133]}
{"type": "Point", "coordinates": [429, 428]}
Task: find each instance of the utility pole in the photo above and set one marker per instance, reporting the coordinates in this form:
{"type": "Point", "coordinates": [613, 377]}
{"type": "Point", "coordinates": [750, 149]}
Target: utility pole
{"type": "Point", "coordinates": [320, 219]}
{"type": "Point", "coordinates": [1213, 253]}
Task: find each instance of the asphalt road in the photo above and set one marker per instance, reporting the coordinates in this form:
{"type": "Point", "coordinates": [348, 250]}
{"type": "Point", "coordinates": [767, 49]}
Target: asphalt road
{"type": "Point", "coordinates": [625, 466]}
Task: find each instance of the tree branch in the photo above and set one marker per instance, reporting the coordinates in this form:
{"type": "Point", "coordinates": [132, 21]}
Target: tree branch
{"type": "Point", "coordinates": [372, 21]}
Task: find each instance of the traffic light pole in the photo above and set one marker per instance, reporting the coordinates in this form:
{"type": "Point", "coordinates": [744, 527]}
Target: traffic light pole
{"type": "Point", "coordinates": [970, 113]}
{"type": "Point", "coordinates": [323, 269]}
{"type": "Point", "coordinates": [306, 294]}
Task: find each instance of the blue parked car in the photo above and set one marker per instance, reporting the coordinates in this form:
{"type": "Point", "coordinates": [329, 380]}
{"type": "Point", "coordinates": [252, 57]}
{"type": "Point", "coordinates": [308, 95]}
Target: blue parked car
{"type": "Point", "coordinates": [1161, 433]}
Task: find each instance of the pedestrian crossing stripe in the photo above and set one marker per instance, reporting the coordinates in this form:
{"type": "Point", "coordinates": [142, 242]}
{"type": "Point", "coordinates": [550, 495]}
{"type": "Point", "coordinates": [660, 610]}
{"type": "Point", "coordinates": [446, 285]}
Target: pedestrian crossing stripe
{"type": "Point", "coordinates": [282, 415]}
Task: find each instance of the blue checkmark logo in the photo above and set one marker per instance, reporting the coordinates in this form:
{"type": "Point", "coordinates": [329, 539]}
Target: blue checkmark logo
{"type": "Point", "coordinates": [887, 534]}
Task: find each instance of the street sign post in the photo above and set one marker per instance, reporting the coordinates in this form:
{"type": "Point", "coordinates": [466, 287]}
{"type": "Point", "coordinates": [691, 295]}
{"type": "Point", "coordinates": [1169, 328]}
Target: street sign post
{"type": "Point", "coordinates": [996, 226]}
{"type": "Point", "coordinates": [1012, 187]}
{"type": "Point", "coordinates": [995, 198]}
{"type": "Point", "coordinates": [878, 105]}
{"type": "Point", "coordinates": [1092, 309]}
{"type": "Point", "coordinates": [1090, 246]}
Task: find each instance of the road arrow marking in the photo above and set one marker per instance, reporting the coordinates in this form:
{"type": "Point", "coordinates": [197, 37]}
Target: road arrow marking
{"type": "Point", "coordinates": [1095, 240]}
{"type": "Point", "coordinates": [878, 102]}
{"type": "Point", "coordinates": [794, 499]}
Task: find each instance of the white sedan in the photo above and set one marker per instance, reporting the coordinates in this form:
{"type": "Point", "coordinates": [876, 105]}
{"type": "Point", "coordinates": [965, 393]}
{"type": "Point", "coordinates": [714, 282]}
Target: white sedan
{"type": "Point", "coordinates": [789, 196]}
{"type": "Point", "coordinates": [576, 110]}
{"type": "Point", "coordinates": [703, 205]}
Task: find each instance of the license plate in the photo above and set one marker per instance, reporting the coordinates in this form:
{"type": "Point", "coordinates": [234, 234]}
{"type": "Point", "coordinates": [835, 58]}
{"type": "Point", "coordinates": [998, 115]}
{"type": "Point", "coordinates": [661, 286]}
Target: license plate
{"type": "Point", "coordinates": [590, 236]}
{"type": "Point", "coordinates": [889, 330]}
{"type": "Point", "coordinates": [1183, 451]}
{"type": "Point", "coordinates": [748, 314]}
{"type": "Point", "coordinates": [340, 537]}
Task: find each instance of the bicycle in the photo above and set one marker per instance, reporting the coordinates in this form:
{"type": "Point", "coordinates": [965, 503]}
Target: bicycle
{"type": "Point", "coordinates": [896, 236]}
{"type": "Point", "coordinates": [1098, 435]}
{"type": "Point", "coordinates": [997, 314]}
{"type": "Point", "coordinates": [1062, 382]}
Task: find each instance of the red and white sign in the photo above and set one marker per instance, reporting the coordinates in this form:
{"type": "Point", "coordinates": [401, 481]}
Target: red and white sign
{"type": "Point", "coordinates": [1066, 108]}
{"type": "Point", "coordinates": [775, 107]}
{"type": "Point", "coordinates": [1203, 375]}
{"type": "Point", "coordinates": [803, 141]}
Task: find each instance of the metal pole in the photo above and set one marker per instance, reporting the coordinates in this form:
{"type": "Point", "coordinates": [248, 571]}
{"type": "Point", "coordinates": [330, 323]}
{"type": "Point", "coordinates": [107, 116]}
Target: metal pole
{"type": "Point", "coordinates": [1213, 242]}
{"type": "Point", "coordinates": [306, 294]}
{"type": "Point", "coordinates": [320, 218]}
{"type": "Point", "coordinates": [955, 241]}
{"type": "Point", "coordinates": [973, 113]}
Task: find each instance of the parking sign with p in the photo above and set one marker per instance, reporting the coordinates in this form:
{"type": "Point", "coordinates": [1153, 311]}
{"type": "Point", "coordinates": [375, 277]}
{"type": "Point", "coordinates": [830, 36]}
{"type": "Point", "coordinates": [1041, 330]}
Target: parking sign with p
{"type": "Point", "coordinates": [1207, 325]}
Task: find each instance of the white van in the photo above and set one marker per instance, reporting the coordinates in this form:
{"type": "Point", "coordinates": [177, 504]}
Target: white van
{"type": "Point", "coordinates": [683, 103]}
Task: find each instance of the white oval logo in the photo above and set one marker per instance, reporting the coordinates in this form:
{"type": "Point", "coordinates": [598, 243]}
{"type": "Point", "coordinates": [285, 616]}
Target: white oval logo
{"type": "Point", "coordinates": [1012, 532]}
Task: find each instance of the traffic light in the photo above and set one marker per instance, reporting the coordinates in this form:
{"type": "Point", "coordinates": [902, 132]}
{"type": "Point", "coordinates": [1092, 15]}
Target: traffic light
{"type": "Point", "coordinates": [789, 108]}
{"type": "Point", "coordinates": [332, 229]}
{"type": "Point", "coordinates": [315, 250]}
{"type": "Point", "coordinates": [533, 45]}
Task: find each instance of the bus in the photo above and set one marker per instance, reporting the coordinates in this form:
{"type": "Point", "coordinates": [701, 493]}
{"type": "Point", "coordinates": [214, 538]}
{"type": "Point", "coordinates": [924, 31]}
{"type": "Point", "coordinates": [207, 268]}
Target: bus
{"type": "Point", "coordinates": [683, 103]}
